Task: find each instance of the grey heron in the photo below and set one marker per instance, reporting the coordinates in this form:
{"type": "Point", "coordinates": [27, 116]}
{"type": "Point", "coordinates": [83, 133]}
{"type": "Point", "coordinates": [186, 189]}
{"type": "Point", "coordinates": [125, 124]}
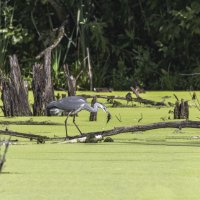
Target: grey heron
{"type": "Point", "coordinates": [73, 105]}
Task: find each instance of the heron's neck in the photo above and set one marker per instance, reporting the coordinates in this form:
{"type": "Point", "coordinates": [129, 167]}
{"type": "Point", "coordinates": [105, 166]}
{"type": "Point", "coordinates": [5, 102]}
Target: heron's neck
{"type": "Point", "coordinates": [96, 106]}
{"type": "Point", "coordinates": [92, 109]}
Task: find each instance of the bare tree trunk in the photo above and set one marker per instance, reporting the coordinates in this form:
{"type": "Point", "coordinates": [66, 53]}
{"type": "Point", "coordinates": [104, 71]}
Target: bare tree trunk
{"type": "Point", "coordinates": [14, 95]}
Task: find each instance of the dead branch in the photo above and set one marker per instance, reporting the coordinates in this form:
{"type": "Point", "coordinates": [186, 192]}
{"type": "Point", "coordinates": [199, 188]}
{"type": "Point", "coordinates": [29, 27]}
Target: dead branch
{"type": "Point", "coordinates": [145, 101]}
{"type": "Point", "coordinates": [135, 92]}
{"type": "Point", "coordinates": [176, 97]}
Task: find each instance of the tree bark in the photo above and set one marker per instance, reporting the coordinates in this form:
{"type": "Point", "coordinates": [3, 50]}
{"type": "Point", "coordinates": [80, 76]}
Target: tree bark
{"type": "Point", "coordinates": [14, 95]}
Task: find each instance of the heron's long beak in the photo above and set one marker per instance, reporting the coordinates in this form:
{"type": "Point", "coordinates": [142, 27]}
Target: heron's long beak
{"type": "Point", "coordinates": [108, 114]}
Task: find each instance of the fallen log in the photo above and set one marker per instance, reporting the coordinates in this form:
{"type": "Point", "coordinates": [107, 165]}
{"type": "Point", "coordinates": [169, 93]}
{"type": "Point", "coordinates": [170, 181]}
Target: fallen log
{"type": "Point", "coordinates": [38, 138]}
{"type": "Point", "coordinates": [100, 134]}
{"type": "Point", "coordinates": [132, 129]}
{"type": "Point", "coordinates": [139, 100]}
{"type": "Point", "coordinates": [29, 122]}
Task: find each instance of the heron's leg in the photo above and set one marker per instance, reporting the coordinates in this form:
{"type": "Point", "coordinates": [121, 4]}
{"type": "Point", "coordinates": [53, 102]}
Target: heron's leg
{"type": "Point", "coordinates": [76, 124]}
{"type": "Point", "coordinates": [66, 124]}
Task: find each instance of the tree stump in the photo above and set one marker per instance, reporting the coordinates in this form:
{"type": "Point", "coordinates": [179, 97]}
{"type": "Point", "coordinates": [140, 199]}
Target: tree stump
{"type": "Point", "coordinates": [129, 98]}
{"type": "Point", "coordinates": [93, 115]}
{"type": "Point", "coordinates": [181, 110]}
{"type": "Point", "coordinates": [38, 89]}
{"type": "Point", "coordinates": [42, 85]}
{"type": "Point", "coordinates": [14, 95]}
{"type": "Point", "coordinates": [176, 110]}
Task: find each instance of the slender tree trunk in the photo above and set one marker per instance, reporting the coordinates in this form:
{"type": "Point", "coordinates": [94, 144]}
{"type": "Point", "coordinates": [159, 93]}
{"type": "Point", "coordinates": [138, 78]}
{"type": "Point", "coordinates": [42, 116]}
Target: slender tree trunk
{"type": "Point", "coordinates": [93, 115]}
{"type": "Point", "coordinates": [90, 70]}
{"type": "Point", "coordinates": [48, 85]}
{"type": "Point", "coordinates": [71, 81]}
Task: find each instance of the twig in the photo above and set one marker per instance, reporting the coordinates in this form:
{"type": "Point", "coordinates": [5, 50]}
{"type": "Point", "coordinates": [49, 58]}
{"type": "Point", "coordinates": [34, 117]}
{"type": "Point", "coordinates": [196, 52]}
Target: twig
{"type": "Point", "coordinates": [176, 97]}
{"type": "Point", "coordinates": [118, 118]}
{"type": "Point", "coordinates": [141, 118]}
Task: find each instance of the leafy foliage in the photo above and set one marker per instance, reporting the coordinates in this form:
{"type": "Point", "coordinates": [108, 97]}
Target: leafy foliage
{"type": "Point", "coordinates": [148, 41]}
